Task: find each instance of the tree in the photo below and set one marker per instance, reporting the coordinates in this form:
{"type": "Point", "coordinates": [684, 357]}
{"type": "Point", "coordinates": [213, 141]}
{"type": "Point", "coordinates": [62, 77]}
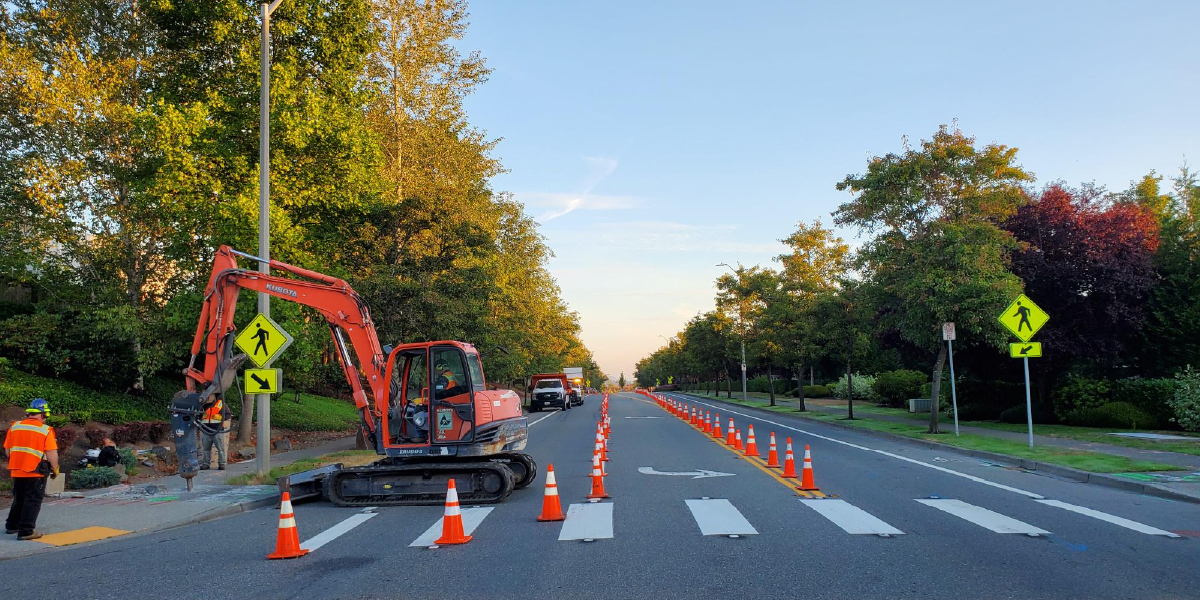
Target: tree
{"type": "Point", "coordinates": [1170, 339]}
{"type": "Point", "coordinates": [941, 255]}
{"type": "Point", "coordinates": [844, 335]}
{"type": "Point", "coordinates": [621, 380]}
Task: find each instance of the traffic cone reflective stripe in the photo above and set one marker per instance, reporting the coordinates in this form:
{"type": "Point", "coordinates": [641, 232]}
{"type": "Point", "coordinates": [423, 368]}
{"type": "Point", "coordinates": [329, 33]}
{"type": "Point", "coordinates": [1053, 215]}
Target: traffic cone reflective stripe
{"type": "Point", "coordinates": [772, 453]}
{"type": "Point", "coordinates": [737, 440]}
{"type": "Point", "coordinates": [729, 433]}
{"type": "Point", "coordinates": [693, 421]}
{"type": "Point", "coordinates": [806, 481]}
{"type": "Point", "coordinates": [452, 523]}
{"type": "Point", "coordinates": [716, 433]}
{"type": "Point", "coordinates": [287, 537]}
{"type": "Point", "coordinates": [597, 479]}
{"type": "Point", "coordinates": [751, 445]}
{"type": "Point", "coordinates": [551, 507]}
{"type": "Point", "coordinates": [789, 462]}
{"type": "Point", "coordinates": [707, 422]}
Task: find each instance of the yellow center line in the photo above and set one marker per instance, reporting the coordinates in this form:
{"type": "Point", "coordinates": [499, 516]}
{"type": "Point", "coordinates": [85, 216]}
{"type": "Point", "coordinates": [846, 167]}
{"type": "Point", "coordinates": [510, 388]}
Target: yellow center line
{"type": "Point", "coordinates": [758, 462]}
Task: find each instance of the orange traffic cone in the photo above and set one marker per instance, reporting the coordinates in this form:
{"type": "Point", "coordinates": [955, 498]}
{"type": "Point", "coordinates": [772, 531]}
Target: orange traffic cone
{"type": "Point", "coordinates": [806, 481]}
{"type": "Point", "coordinates": [707, 422]}
{"type": "Point", "coordinates": [605, 448]}
{"type": "Point", "coordinates": [452, 523]}
{"type": "Point", "coordinates": [716, 432]}
{"type": "Point", "coordinates": [729, 433]}
{"type": "Point", "coordinates": [287, 540]}
{"type": "Point", "coordinates": [693, 421]}
{"type": "Point", "coordinates": [789, 461]}
{"type": "Point", "coordinates": [551, 508]}
{"type": "Point", "coordinates": [600, 445]}
{"type": "Point", "coordinates": [751, 446]}
{"type": "Point", "coordinates": [597, 479]}
{"type": "Point", "coordinates": [772, 453]}
{"type": "Point", "coordinates": [737, 440]}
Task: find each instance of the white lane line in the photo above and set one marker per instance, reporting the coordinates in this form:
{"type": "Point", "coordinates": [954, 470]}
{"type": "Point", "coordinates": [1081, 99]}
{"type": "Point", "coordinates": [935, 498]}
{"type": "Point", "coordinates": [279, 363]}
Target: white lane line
{"type": "Point", "coordinates": [471, 517]}
{"type": "Point", "coordinates": [851, 518]}
{"type": "Point", "coordinates": [718, 516]}
{"type": "Point", "coordinates": [336, 531]}
{"type": "Point", "coordinates": [884, 453]}
{"type": "Point", "coordinates": [982, 516]}
{"type": "Point", "coordinates": [1115, 520]}
{"type": "Point", "coordinates": [542, 419]}
{"type": "Point", "coordinates": [587, 522]}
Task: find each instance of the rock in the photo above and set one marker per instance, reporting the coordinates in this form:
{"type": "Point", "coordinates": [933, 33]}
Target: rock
{"type": "Point", "coordinates": [120, 468]}
{"type": "Point", "coordinates": [147, 463]}
{"type": "Point", "coordinates": [162, 453]}
{"type": "Point", "coordinates": [248, 451]}
{"type": "Point", "coordinates": [282, 445]}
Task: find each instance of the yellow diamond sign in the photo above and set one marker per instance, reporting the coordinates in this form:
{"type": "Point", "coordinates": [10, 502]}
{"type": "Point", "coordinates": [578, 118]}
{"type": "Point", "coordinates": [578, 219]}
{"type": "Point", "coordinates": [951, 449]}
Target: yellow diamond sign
{"type": "Point", "coordinates": [263, 340]}
{"type": "Point", "coordinates": [1023, 318]}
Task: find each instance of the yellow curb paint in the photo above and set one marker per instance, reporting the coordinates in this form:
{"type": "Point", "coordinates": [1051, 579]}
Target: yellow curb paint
{"type": "Point", "coordinates": [79, 536]}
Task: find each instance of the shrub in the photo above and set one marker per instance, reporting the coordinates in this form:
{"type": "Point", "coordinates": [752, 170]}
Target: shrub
{"type": "Point", "coordinates": [81, 416]}
{"type": "Point", "coordinates": [863, 387]}
{"type": "Point", "coordinates": [95, 436]}
{"type": "Point", "coordinates": [123, 434]}
{"type": "Point", "coordinates": [129, 459]}
{"type": "Point", "coordinates": [1079, 392]}
{"type": "Point", "coordinates": [139, 430]}
{"type": "Point", "coordinates": [57, 421]}
{"type": "Point", "coordinates": [95, 477]}
{"type": "Point", "coordinates": [1151, 395]}
{"type": "Point", "coordinates": [896, 387]}
{"type": "Point", "coordinates": [110, 416]}
{"type": "Point", "coordinates": [65, 436]}
{"type": "Point", "coordinates": [1118, 415]}
{"type": "Point", "coordinates": [159, 431]}
{"type": "Point", "coordinates": [816, 391]}
{"type": "Point", "coordinates": [1185, 403]}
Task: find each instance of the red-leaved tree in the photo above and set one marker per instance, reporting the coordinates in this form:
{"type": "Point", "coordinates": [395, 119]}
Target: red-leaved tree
{"type": "Point", "coordinates": [1089, 263]}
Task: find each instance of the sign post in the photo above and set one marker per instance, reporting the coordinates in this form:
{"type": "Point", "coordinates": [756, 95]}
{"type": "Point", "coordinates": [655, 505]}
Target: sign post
{"type": "Point", "coordinates": [948, 335]}
{"type": "Point", "coordinates": [263, 340]}
{"type": "Point", "coordinates": [1024, 318]}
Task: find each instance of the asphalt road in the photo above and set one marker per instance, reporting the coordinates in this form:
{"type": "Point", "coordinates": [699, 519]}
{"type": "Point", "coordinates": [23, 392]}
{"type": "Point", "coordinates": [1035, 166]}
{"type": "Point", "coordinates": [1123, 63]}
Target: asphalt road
{"type": "Point", "coordinates": [941, 548]}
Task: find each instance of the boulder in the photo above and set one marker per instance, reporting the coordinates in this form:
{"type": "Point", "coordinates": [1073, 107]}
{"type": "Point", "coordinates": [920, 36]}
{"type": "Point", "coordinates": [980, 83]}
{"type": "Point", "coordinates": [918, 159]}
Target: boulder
{"type": "Point", "coordinates": [163, 453]}
{"type": "Point", "coordinates": [248, 451]}
{"type": "Point", "coordinates": [282, 445]}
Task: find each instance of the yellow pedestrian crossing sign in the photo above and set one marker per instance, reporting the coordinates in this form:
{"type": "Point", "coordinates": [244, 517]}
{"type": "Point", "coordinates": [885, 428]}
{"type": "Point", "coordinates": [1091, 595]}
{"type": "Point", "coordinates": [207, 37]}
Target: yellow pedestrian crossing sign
{"type": "Point", "coordinates": [263, 340]}
{"type": "Point", "coordinates": [262, 381]}
{"type": "Point", "coordinates": [1023, 318]}
{"type": "Point", "coordinates": [1025, 350]}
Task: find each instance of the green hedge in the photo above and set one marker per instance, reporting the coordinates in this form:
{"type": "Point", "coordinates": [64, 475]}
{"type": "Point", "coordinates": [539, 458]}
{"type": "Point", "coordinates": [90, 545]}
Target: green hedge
{"type": "Point", "coordinates": [817, 391]}
{"type": "Point", "coordinates": [763, 385]}
{"type": "Point", "coordinates": [895, 388]}
{"type": "Point", "coordinates": [66, 398]}
{"type": "Point", "coordinates": [1120, 415]}
{"type": "Point", "coordinates": [94, 477]}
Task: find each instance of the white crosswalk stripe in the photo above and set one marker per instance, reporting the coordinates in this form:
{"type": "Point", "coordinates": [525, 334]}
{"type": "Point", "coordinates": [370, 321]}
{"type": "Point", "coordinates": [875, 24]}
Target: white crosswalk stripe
{"type": "Point", "coordinates": [1115, 520]}
{"type": "Point", "coordinates": [850, 518]}
{"type": "Point", "coordinates": [471, 518]}
{"type": "Point", "coordinates": [982, 517]}
{"type": "Point", "coordinates": [592, 521]}
{"type": "Point", "coordinates": [718, 516]}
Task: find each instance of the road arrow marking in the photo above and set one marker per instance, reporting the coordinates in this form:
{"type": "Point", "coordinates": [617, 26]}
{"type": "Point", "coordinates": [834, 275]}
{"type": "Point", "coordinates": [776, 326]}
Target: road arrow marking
{"type": "Point", "coordinates": [697, 474]}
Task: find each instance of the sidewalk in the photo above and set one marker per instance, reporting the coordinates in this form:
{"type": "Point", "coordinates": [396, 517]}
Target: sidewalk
{"type": "Point", "coordinates": [1181, 484]}
{"type": "Point", "coordinates": [161, 504]}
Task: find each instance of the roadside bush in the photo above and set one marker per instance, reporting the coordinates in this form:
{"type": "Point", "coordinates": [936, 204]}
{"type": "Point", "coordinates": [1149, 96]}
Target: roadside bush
{"type": "Point", "coordinates": [1117, 415]}
{"type": "Point", "coordinates": [159, 431]}
{"type": "Point", "coordinates": [95, 436]}
{"type": "Point", "coordinates": [65, 436]}
{"type": "Point", "coordinates": [81, 416]}
{"type": "Point", "coordinates": [95, 477]}
{"type": "Point", "coordinates": [1185, 403]}
{"type": "Point", "coordinates": [139, 430]}
{"type": "Point", "coordinates": [896, 387]}
{"type": "Point", "coordinates": [123, 434]}
{"type": "Point", "coordinates": [18, 388]}
{"type": "Point", "coordinates": [1078, 393]}
{"type": "Point", "coordinates": [816, 391]}
{"type": "Point", "coordinates": [1151, 395]}
{"type": "Point", "coordinates": [57, 421]}
{"type": "Point", "coordinates": [863, 388]}
{"type": "Point", "coordinates": [129, 459]}
{"type": "Point", "coordinates": [110, 416]}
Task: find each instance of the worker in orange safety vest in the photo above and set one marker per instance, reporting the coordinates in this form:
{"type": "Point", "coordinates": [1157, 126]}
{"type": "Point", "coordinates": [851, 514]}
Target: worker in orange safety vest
{"type": "Point", "coordinates": [32, 452]}
{"type": "Point", "coordinates": [214, 433]}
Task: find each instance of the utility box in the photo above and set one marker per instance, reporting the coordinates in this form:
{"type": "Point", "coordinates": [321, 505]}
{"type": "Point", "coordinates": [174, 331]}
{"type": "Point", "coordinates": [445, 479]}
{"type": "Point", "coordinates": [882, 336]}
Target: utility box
{"type": "Point", "coordinates": [917, 405]}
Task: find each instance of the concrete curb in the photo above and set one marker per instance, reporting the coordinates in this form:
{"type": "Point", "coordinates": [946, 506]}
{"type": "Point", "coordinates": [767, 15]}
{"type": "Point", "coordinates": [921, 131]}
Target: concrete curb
{"type": "Point", "coordinates": [217, 513]}
{"type": "Point", "coordinates": [1101, 479]}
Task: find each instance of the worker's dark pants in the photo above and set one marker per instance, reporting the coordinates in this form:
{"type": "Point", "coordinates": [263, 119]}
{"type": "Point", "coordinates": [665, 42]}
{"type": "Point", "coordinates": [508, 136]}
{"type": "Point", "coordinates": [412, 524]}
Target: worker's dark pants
{"type": "Point", "coordinates": [27, 503]}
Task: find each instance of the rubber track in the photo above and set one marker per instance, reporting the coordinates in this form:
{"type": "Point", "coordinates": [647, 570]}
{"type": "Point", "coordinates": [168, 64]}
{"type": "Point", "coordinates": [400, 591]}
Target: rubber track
{"type": "Point", "coordinates": [462, 470]}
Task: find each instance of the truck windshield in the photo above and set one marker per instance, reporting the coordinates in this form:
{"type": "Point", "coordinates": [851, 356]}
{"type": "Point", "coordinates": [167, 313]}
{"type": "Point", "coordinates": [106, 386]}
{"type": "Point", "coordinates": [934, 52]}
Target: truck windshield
{"type": "Point", "coordinates": [548, 383]}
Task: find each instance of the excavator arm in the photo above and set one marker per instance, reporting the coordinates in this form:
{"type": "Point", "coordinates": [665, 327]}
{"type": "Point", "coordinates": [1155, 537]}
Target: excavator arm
{"type": "Point", "coordinates": [214, 363]}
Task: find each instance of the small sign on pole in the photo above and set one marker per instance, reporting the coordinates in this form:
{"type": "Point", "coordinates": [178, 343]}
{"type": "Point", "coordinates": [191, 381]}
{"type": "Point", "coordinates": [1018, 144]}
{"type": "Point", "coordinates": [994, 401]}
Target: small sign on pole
{"type": "Point", "coordinates": [948, 332]}
{"type": "Point", "coordinates": [948, 336]}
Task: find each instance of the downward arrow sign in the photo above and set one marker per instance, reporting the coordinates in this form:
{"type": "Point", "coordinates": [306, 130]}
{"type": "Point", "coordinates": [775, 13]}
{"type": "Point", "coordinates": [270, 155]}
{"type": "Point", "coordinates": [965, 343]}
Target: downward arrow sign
{"type": "Point", "coordinates": [263, 384]}
{"type": "Point", "coordinates": [1026, 349]}
{"type": "Point", "coordinates": [697, 474]}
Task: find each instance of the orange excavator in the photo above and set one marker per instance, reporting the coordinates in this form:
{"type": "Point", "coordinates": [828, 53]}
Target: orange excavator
{"type": "Point", "coordinates": [425, 407]}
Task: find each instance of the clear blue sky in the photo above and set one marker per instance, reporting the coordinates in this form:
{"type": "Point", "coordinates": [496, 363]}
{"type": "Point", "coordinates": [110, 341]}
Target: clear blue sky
{"type": "Point", "coordinates": [653, 140]}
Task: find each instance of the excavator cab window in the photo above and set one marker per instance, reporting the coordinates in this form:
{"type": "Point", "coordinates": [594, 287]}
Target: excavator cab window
{"type": "Point", "coordinates": [408, 415]}
{"type": "Point", "coordinates": [454, 410]}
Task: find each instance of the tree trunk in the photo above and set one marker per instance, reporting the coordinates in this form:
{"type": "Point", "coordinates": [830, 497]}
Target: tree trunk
{"type": "Point", "coordinates": [771, 384]}
{"type": "Point", "coordinates": [246, 422]}
{"type": "Point", "coordinates": [811, 381]}
{"type": "Point", "coordinates": [934, 403]}
{"type": "Point", "coordinates": [800, 388]}
{"type": "Point", "coordinates": [728, 386]}
{"type": "Point", "coordinates": [849, 393]}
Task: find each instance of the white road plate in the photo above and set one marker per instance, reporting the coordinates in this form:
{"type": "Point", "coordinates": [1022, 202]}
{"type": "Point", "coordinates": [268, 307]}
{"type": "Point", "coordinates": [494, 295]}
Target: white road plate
{"type": "Point", "coordinates": [851, 518]}
{"type": "Point", "coordinates": [982, 516]}
{"type": "Point", "coordinates": [719, 516]}
{"type": "Point", "coordinates": [587, 522]}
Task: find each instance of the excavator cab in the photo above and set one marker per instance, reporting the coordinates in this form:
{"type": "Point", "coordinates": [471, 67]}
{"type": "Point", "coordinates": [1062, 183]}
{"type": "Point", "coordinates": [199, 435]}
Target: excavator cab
{"type": "Point", "coordinates": [433, 389]}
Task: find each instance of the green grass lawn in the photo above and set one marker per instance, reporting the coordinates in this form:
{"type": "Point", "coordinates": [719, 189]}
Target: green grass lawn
{"type": "Point", "coordinates": [349, 458]}
{"type": "Point", "coordinates": [1094, 462]}
{"type": "Point", "coordinates": [1099, 435]}
{"type": "Point", "coordinates": [313, 413]}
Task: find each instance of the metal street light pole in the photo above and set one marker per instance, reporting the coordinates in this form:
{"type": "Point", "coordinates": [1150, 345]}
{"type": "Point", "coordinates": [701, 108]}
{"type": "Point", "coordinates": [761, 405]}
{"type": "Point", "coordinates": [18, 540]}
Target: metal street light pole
{"type": "Point", "coordinates": [741, 328]}
{"type": "Point", "coordinates": [263, 462]}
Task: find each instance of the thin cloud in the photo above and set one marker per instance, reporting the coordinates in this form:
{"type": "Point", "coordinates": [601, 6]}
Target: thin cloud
{"type": "Point", "coordinates": [598, 169]}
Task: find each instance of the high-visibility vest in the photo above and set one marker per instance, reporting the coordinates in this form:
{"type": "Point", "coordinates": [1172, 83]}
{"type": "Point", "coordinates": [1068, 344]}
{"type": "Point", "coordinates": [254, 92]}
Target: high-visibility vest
{"type": "Point", "coordinates": [27, 443]}
{"type": "Point", "coordinates": [450, 381]}
{"type": "Point", "coordinates": [213, 414]}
